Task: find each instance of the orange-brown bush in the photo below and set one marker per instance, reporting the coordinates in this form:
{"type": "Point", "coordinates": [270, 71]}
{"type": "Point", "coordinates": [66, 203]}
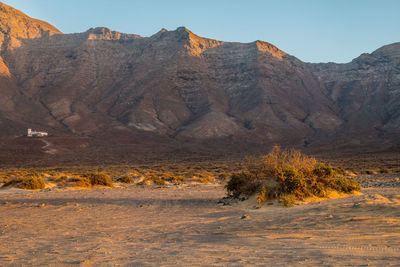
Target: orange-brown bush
{"type": "Point", "coordinates": [125, 179]}
{"type": "Point", "coordinates": [152, 179]}
{"type": "Point", "coordinates": [288, 172]}
{"type": "Point", "coordinates": [99, 179]}
{"type": "Point", "coordinates": [29, 182]}
{"type": "Point", "coordinates": [80, 182]}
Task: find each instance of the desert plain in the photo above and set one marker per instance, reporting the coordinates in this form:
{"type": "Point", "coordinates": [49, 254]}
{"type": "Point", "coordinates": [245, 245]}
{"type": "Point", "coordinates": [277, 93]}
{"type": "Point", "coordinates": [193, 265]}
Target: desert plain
{"type": "Point", "coordinates": [190, 224]}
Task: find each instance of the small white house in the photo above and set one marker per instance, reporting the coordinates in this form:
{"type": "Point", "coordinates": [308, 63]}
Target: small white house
{"type": "Point", "coordinates": [33, 133]}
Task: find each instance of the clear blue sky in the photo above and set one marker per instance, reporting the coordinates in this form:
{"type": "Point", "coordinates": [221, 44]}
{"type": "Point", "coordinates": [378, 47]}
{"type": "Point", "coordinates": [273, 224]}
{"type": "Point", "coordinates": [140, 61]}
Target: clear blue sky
{"type": "Point", "coordinates": [312, 30]}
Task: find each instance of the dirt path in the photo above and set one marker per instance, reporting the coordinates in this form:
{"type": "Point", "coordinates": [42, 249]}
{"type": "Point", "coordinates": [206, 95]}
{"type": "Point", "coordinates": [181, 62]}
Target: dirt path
{"type": "Point", "coordinates": [186, 226]}
{"type": "Point", "coordinates": [48, 147]}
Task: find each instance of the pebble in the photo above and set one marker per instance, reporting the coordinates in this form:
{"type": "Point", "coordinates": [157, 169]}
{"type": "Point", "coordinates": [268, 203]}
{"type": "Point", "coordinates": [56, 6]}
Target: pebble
{"type": "Point", "coordinates": [379, 181]}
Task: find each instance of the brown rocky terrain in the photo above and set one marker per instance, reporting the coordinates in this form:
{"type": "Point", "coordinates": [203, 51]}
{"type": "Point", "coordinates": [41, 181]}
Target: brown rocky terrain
{"type": "Point", "coordinates": [175, 91]}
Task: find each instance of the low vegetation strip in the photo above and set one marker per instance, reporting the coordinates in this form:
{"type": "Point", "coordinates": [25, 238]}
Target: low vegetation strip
{"type": "Point", "coordinates": [31, 181]}
{"type": "Point", "coordinates": [288, 175]}
{"type": "Point", "coordinates": [116, 176]}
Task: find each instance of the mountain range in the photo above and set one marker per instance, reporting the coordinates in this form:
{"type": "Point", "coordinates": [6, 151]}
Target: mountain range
{"type": "Point", "coordinates": [175, 88]}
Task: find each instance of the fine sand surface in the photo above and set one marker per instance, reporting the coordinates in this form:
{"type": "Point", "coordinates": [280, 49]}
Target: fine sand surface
{"type": "Point", "coordinates": [185, 226]}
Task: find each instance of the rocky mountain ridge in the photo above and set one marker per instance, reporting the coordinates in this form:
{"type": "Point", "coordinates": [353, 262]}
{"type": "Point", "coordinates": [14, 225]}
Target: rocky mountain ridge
{"type": "Point", "coordinates": [367, 91]}
{"type": "Point", "coordinates": [177, 86]}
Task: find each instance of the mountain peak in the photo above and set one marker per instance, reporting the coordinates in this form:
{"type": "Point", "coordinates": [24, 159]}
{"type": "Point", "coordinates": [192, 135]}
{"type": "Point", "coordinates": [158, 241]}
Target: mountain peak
{"type": "Point", "coordinates": [194, 44]}
{"type": "Point", "coordinates": [10, 16]}
{"type": "Point", "coordinates": [15, 25]}
{"type": "Point", "coordinates": [159, 33]}
{"type": "Point", "coordinates": [182, 29]}
{"type": "Point", "coordinates": [104, 33]}
{"type": "Point", "coordinates": [99, 30]}
{"type": "Point", "coordinates": [266, 47]}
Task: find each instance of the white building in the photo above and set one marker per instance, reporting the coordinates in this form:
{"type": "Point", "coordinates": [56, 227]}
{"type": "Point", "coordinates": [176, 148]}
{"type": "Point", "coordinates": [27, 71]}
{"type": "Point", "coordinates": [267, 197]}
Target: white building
{"type": "Point", "coordinates": [33, 133]}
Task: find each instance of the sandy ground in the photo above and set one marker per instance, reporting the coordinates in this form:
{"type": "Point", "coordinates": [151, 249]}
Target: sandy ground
{"type": "Point", "coordinates": [185, 226]}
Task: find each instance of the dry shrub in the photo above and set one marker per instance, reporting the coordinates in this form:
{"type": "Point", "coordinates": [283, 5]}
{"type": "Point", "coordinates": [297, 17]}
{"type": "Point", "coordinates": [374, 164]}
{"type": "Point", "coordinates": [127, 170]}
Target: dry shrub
{"type": "Point", "coordinates": [63, 183]}
{"type": "Point", "coordinates": [134, 173]}
{"type": "Point", "coordinates": [152, 179]}
{"type": "Point", "coordinates": [29, 182]}
{"type": "Point", "coordinates": [207, 180]}
{"type": "Point", "coordinates": [288, 200]}
{"type": "Point", "coordinates": [243, 183]}
{"type": "Point", "coordinates": [223, 176]}
{"type": "Point", "coordinates": [80, 182]}
{"type": "Point", "coordinates": [203, 179]}
{"type": "Point", "coordinates": [125, 179]}
{"type": "Point", "coordinates": [178, 179]}
{"type": "Point", "coordinates": [167, 176]}
{"type": "Point", "coordinates": [58, 178]}
{"type": "Point", "coordinates": [287, 173]}
{"type": "Point", "coordinates": [99, 179]}
{"type": "Point", "coordinates": [172, 178]}
{"type": "Point", "coordinates": [262, 196]}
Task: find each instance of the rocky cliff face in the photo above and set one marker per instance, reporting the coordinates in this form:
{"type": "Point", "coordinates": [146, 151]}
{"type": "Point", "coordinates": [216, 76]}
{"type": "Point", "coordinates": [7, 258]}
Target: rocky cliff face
{"type": "Point", "coordinates": [179, 86]}
{"type": "Point", "coordinates": [367, 91]}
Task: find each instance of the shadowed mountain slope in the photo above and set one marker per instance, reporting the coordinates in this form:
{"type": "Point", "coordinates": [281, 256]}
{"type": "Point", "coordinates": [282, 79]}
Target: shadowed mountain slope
{"type": "Point", "coordinates": [367, 92]}
{"type": "Point", "coordinates": [176, 86]}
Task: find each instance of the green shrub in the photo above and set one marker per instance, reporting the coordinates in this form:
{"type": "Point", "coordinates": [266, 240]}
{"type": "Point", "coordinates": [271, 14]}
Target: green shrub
{"type": "Point", "coordinates": [29, 182]}
{"type": "Point", "coordinates": [242, 183]}
{"type": "Point", "coordinates": [125, 179]}
{"type": "Point", "coordinates": [99, 179]}
{"type": "Point", "coordinates": [322, 170]}
{"type": "Point", "coordinates": [319, 189]}
{"type": "Point", "coordinates": [342, 184]}
{"type": "Point", "coordinates": [287, 174]}
{"type": "Point", "coordinates": [292, 181]}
